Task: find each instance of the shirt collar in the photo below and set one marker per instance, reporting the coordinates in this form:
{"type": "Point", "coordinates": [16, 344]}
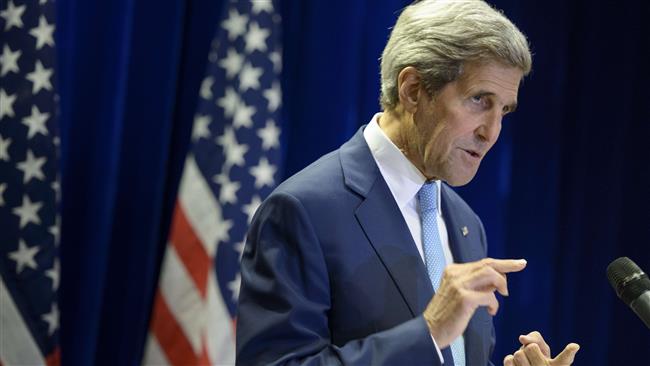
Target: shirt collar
{"type": "Point", "coordinates": [401, 176]}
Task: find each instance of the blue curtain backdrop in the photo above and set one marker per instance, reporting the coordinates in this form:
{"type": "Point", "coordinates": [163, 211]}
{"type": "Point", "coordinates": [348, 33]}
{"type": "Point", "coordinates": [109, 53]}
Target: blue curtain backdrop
{"type": "Point", "coordinates": [130, 72]}
{"type": "Point", "coordinates": [567, 186]}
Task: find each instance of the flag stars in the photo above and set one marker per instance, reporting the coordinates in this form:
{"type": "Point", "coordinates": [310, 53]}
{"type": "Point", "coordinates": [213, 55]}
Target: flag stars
{"type": "Point", "coordinates": [3, 188]}
{"type": "Point", "coordinates": [232, 63]}
{"type": "Point", "coordinates": [239, 247]}
{"type": "Point", "coordinates": [4, 148]}
{"type": "Point", "coordinates": [229, 102]}
{"type": "Point", "coordinates": [234, 286]}
{"type": "Point", "coordinates": [53, 274]}
{"type": "Point", "coordinates": [206, 88]}
{"type": "Point", "coordinates": [256, 38]}
{"type": "Point", "coordinates": [276, 59]}
{"type": "Point", "coordinates": [252, 207]}
{"type": "Point", "coordinates": [24, 256]}
{"type": "Point", "coordinates": [56, 187]}
{"type": "Point", "coordinates": [232, 149]}
{"type": "Point", "coordinates": [54, 230]}
{"type": "Point", "coordinates": [9, 60]}
{"type": "Point", "coordinates": [235, 154]}
{"type": "Point", "coordinates": [200, 128]}
{"type": "Point", "coordinates": [235, 25]}
{"type": "Point", "coordinates": [222, 229]}
{"type": "Point", "coordinates": [43, 33]}
{"type": "Point", "coordinates": [6, 104]}
{"type": "Point", "coordinates": [262, 5]}
{"type": "Point", "coordinates": [263, 173]}
{"type": "Point", "coordinates": [40, 77]}
{"type": "Point", "coordinates": [13, 15]}
{"type": "Point", "coordinates": [228, 138]}
{"type": "Point", "coordinates": [52, 319]}
{"type": "Point", "coordinates": [32, 167]}
{"type": "Point", "coordinates": [28, 212]}
{"type": "Point", "coordinates": [244, 116]}
{"type": "Point", "coordinates": [270, 135]}
{"type": "Point", "coordinates": [36, 122]}
{"type": "Point", "coordinates": [273, 97]}
{"type": "Point", "coordinates": [249, 78]}
{"type": "Point", "coordinates": [228, 192]}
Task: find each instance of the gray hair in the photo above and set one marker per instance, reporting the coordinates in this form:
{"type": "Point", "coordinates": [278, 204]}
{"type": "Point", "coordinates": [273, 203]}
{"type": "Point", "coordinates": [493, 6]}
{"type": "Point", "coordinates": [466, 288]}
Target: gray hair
{"type": "Point", "coordinates": [438, 36]}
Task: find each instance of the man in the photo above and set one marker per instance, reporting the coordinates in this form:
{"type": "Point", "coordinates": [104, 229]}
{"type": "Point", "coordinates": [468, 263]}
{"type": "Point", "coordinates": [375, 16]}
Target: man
{"type": "Point", "coordinates": [344, 261]}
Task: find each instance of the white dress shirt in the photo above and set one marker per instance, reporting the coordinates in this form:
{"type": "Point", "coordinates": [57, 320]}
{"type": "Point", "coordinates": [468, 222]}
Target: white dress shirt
{"type": "Point", "coordinates": [404, 181]}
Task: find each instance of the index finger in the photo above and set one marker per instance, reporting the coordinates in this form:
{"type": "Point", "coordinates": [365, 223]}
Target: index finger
{"type": "Point", "coordinates": [505, 265]}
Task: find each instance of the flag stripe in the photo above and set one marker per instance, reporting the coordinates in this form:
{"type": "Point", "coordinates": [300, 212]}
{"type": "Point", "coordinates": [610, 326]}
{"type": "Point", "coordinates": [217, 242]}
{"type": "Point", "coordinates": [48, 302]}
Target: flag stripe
{"type": "Point", "coordinates": [170, 335]}
{"type": "Point", "coordinates": [183, 300]}
{"type": "Point", "coordinates": [17, 347]}
{"type": "Point", "coordinates": [201, 208]}
{"type": "Point", "coordinates": [222, 340]}
{"type": "Point", "coordinates": [155, 354]}
{"type": "Point", "coordinates": [190, 250]}
{"type": "Point", "coordinates": [54, 358]}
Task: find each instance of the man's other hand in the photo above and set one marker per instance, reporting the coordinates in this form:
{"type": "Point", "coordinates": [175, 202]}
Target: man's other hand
{"type": "Point", "coordinates": [465, 287]}
{"type": "Point", "coordinates": [535, 352]}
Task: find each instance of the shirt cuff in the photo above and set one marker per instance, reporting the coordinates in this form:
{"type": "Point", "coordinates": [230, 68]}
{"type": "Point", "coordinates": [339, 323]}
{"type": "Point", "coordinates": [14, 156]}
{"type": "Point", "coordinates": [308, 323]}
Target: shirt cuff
{"type": "Point", "coordinates": [442, 359]}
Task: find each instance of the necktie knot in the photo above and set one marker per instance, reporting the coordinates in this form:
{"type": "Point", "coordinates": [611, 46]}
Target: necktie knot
{"type": "Point", "coordinates": [428, 196]}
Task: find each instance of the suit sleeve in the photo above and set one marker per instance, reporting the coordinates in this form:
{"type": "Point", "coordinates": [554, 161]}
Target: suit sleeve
{"type": "Point", "coordinates": [285, 300]}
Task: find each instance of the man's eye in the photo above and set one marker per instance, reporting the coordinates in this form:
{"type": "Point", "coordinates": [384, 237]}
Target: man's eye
{"type": "Point", "coordinates": [478, 99]}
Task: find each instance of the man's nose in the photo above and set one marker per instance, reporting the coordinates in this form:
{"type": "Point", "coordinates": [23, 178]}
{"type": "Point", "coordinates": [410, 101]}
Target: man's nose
{"type": "Point", "coordinates": [489, 130]}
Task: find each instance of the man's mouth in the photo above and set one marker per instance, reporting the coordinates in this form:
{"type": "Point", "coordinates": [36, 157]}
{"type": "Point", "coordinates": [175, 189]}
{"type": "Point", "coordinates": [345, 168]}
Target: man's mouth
{"type": "Point", "coordinates": [473, 153]}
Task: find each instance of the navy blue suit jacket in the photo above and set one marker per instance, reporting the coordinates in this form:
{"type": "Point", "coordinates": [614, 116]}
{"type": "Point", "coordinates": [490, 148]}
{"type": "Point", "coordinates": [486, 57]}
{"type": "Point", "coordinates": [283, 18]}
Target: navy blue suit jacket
{"type": "Point", "coordinates": [331, 275]}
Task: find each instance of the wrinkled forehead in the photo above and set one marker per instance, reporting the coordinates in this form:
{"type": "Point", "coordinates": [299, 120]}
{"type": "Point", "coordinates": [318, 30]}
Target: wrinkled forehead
{"type": "Point", "coordinates": [491, 77]}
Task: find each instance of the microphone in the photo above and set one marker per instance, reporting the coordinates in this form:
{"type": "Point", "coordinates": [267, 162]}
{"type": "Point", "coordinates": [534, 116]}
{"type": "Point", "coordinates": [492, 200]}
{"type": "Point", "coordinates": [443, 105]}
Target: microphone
{"type": "Point", "coordinates": [631, 285]}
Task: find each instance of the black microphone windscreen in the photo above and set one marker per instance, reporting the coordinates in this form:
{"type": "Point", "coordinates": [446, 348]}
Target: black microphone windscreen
{"type": "Point", "coordinates": [627, 279]}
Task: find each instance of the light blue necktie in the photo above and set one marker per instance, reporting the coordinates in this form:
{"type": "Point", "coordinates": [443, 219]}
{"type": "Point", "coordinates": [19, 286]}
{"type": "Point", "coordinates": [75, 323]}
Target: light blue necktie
{"type": "Point", "coordinates": [434, 257]}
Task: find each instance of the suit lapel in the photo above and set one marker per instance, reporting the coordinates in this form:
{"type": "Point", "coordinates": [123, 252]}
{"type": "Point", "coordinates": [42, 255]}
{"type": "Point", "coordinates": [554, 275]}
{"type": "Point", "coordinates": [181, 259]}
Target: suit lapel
{"type": "Point", "coordinates": [383, 223]}
{"type": "Point", "coordinates": [465, 248]}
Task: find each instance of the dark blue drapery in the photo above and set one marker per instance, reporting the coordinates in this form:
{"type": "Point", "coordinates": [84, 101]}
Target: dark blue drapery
{"type": "Point", "coordinates": [567, 185]}
{"type": "Point", "coordinates": [129, 75]}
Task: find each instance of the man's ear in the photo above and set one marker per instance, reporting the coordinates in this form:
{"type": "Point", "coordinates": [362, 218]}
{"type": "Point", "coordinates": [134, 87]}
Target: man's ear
{"type": "Point", "coordinates": [408, 88]}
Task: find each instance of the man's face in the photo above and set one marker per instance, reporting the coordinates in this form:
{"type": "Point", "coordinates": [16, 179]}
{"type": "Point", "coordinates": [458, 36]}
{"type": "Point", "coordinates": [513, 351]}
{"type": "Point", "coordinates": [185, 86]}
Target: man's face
{"type": "Point", "coordinates": [451, 132]}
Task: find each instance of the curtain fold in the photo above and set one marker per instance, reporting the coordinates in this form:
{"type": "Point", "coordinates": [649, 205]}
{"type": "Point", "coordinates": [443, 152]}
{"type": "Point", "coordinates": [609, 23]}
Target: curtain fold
{"type": "Point", "coordinates": [130, 74]}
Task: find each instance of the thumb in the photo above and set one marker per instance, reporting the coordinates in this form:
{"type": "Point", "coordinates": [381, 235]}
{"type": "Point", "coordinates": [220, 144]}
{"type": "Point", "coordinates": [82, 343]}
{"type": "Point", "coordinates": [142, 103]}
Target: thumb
{"type": "Point", "coordinates": [567, 355]}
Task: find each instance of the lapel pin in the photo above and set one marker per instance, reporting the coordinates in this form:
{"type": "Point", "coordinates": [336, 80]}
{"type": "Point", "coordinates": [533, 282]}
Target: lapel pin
{"type": "Point", "coordinates": [464, 230]}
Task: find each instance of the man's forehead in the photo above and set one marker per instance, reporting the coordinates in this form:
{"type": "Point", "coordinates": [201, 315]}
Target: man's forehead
{"type": "Point", "coordinates": [492, 78]}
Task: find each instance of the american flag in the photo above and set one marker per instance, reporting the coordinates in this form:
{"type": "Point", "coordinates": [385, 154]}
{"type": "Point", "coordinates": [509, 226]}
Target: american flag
{"type": "Point", "coordinates": [231, 167]}
{"type": "Point", "coordinates": [29, 188]}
